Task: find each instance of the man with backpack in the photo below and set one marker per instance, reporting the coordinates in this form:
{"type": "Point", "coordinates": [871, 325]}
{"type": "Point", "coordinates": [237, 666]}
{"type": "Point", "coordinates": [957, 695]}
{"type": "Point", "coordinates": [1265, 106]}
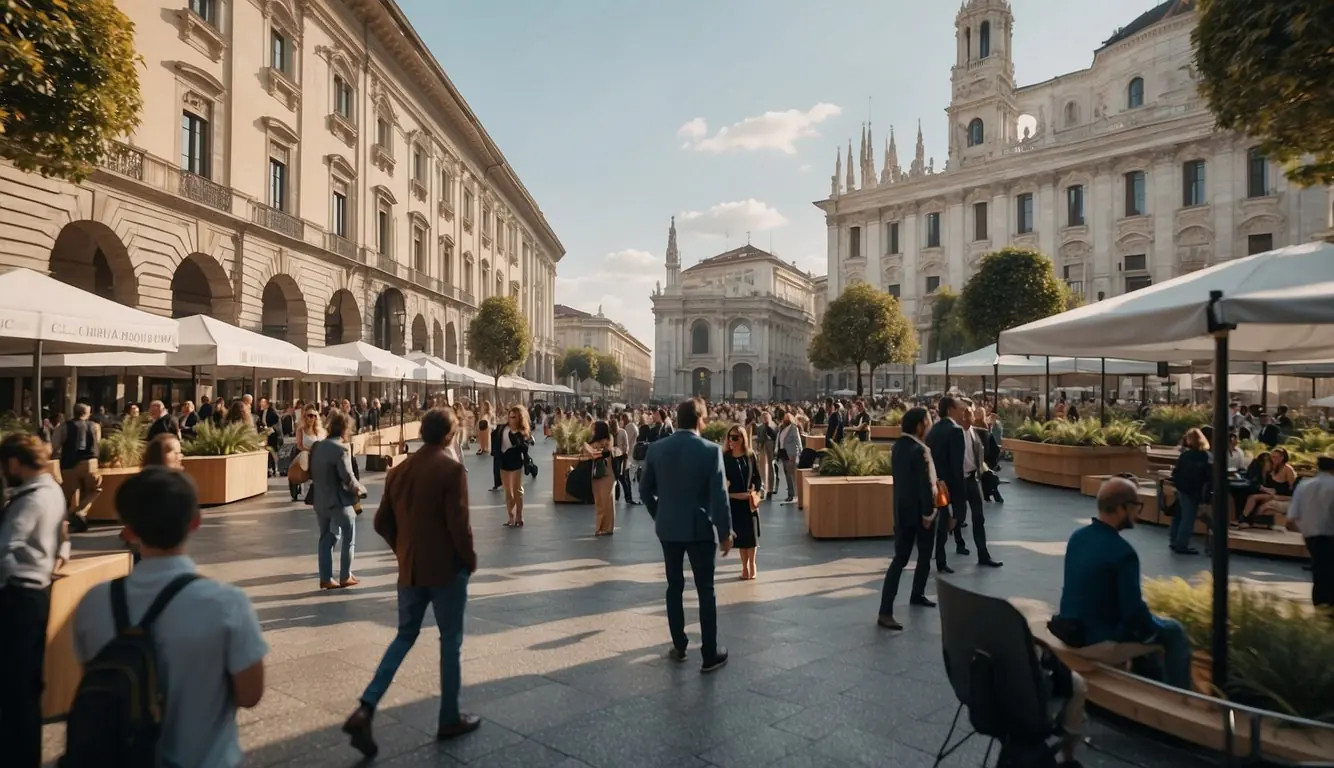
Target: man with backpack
{"type": "Point", "coordinates": [162, 676]}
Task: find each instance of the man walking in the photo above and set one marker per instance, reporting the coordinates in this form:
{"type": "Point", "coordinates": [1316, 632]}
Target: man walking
{"type": "Point", "coordinates": [424, 519]}
{"type": "Point", "coordinates": [75, 443]}
{"type": "Point", "coordinates": [914, 514]}
{"type": "Point", "coordinates": [946, 441]}
{"type": "Point", "coordinates": [833, 432]}
{"type": "Point", "coordinates": [973, 467]}
{"type": "Point", "coordinates": [685, 491]}
{"type": "Point", "coordinates": [1312, 513]}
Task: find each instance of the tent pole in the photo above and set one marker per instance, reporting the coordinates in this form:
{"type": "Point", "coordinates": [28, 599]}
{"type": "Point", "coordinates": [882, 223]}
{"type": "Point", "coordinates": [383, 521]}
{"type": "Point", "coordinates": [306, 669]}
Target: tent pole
{"type": "Point", "coordinates": [995, 378]}
{"type": "Point", "coordinates": [1046, 394]}
{"type": "Point", "coordinates": [1102, 394]}
{"type": "Point", "coordinates": [1219, 524]}
{"type": "Point", "coordinates": [1144, 390]}
{"type": "Point", "coordinates": [37, 386]}
{"type": "Point", "coordinates": [1264, 387]}
{"type": "Point", "coordinates": [946, 391]}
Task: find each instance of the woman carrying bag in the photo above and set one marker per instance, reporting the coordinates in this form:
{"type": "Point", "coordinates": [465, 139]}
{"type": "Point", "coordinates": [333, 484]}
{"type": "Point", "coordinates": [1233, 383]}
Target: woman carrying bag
{"type": "Point", "coordinates": [745, 489]}
{"type": "Point", "coordinates": [599, 448]}
{"type": "Point", "coordinates": [308, 433]}
{"type": "Point", "coordinates": [518, 436]}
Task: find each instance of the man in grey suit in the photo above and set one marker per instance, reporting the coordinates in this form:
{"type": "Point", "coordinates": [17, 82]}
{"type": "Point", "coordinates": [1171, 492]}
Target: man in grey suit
{"type": "Point", "coordinates": [686, 493]}
{"type": "Point", "coordinates": [335, 492]}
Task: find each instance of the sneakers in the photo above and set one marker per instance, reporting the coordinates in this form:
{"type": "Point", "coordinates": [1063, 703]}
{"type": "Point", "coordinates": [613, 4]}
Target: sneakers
{"type": "Point", "coordinates": [715, 662]}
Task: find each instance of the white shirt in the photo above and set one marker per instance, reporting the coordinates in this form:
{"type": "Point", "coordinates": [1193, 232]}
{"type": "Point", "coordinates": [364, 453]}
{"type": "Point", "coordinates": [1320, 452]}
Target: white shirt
{"type": "Point", "coordinates": [1236, 460]}
{"type": "Point", "coordinates": [970, 451]}
{"type": "Point", "coordinates": [1312, 506]}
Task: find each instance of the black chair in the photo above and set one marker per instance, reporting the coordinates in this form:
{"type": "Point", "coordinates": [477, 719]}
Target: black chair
{"type": "Point", "coordinates": [995, 670]}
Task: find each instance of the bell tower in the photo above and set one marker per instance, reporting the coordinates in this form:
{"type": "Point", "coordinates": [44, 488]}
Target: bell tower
{"type": "Point", "coordinates": [982, 111]}
{"type": "Point", "coordinates": [673, 260]}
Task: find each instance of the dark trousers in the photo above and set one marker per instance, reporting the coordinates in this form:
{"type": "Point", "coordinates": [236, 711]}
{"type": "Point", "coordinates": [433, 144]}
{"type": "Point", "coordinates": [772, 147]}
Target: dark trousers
{"type": "Point", "coordinates": [973, 492]}
{"type": "Point", "coordinates": [620, 467]}
{"type": "Point", "coordinates": [23, 614]}
{"type": "Point", "coordinates": [958, 510]}
{"type": "Point", "coordinates": [906, 539]}
{"type": "Point", "coordinates": [495, 468]}
{"type": "Point", "coordinates": [1322, 569]}
{"type": "Point", "coordinates": [701, 554]}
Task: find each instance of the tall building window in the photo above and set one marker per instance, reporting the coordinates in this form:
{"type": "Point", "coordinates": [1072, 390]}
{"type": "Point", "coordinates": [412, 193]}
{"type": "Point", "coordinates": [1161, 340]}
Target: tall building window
{"type": "Point", "coordinates": [419, 249]}
{"type": "Point", "coordinates": [979, 221]}
{"type": "Point", "coordinates": [893, 290]}
{"type": "Point", "coordinates": [446, 187]}
{"type": "Point", "coordinates": [1257, 174]}
{"type": "Point", "coordinates": [1024, 212]}
{"type": "Point", "coordinates": [1135, 193]}
{"type": "Point", "coordinates": [383, 133]}
{"type": "Point", "coordinates": [1074, 205]}
{"type": "Point", "coordinates": [205, 10]}
{"type": "Point", "coordinates": [447, 263]}
{"type": "Point", "coordinates": [933, 230]}
{"type": "Point", "coordinates": [855, 243]}
{"type": "Point", "coordinates": [339, 214]}
{"type": "Point", "coordinates": [1259, 243]}
{"type": "Point", "coordinates": [932, 283]}
{"type": "Point", "coordinates": [1135, 93]}
{"type": "Point", "coordinates": [976, 132]}
{"type": "Point", "coordinates": [467, 274]}
{"type": "Point", "coordinates": [279, 52]}
{"type": "Point", "coordinates": [486, 222]}
{"type": "Point", "coordinates": [418, 164]}
{"type": "Point", "coordinates": [984, 40]}
{"type": "Point", "coordinates": [1071, 114]}
{"type": "Point", "coordinates": [1193, 191]}
{"type": "Point", "coordinates": [278, 183]}
{"type": "Point", "coordinates": [384, 230]}
{"type": "Point", "coordinates": [342, 98]}
{"type": "Point", "coordinates": [467, 206]}
{"type": "Point", "coordinates": [1136, 282]}
{"type": "Point", "coordinates": [892, 237]}
{"type": "Point", "coordinates": [194, 144]}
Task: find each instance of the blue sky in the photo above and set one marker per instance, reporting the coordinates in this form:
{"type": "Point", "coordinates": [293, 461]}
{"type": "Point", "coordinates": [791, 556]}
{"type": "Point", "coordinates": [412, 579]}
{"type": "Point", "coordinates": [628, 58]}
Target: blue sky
{"type": "Point", "coordinates": [592, 102]}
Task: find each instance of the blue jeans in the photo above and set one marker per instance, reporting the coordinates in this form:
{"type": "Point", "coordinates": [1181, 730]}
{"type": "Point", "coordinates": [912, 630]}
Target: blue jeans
{"type": "Point", "coordinates": [447, 603]}
{"type": "Point", "coordinates": [1183, 522]}
{"type": "Point", "coordinates": [1176, 652]}
{"type": "Point", "coordinates": [701, 554]}
{"type": "Point", "coordinates": [334, 524]}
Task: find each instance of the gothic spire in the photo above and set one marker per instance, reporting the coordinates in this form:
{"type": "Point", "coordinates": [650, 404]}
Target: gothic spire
{"type": "Point", "coordinates": [852, 178]}
{"type": "Point", "coordinates": [834, 189]}
{"type": "Point", "coordinates": [868, 164]}
{"type": "Point", "coordinates": [673, 257]}
{"type": "Point", "coordinates": [861, 154]}
{"type": "Point", "coordinates": [891, 172]}
{"type": "Point", "coordinates": [918, 167]}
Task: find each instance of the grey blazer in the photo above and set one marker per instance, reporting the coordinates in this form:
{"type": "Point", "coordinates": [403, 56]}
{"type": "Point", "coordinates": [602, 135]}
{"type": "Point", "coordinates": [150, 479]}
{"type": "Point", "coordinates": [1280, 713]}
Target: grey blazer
{"type": "Point", "coordinates": [789, 440]}
{"type": "Point", "coordinates": [685, 489]}
{"type": "Point", "coordinates": [334, 485]}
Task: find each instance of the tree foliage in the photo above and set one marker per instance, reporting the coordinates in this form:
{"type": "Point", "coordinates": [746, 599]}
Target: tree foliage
{"type": "Point", "coordinates": [579, 363]}
{"type": "Point", "coordinates": [498, 338]}
{"type": "Point", "coordinates": [951, 340]}
{"type": "Point", "coordinates": [608, 373]}
{"type": "Point", "coordinates": [1011, 287]}
{"type": "Point", "coordinates": [864, 326]}
{"type": "Point", "coordinates": [1267, 70]}
{"type": "Point", "coordinates": [69, 83]}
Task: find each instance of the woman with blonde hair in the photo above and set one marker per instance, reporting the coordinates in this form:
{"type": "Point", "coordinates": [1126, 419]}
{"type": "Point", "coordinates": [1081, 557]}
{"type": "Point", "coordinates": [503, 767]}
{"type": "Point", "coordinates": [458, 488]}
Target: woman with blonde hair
{"type": "Point", "coordinates": [517, 436]}
{"type": "Point", "coordinates": [1191, 477]}
{"type": "Point", "coordinates": [308, 432]}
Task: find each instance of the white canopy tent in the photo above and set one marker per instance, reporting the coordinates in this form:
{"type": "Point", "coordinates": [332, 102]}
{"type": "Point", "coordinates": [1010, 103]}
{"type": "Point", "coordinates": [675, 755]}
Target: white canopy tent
{"type": "Point", "coordinates": [1324, 402]}
{"type": "Point", "coordinates": [322, 367]}
{"type": "Point", "coordinates": [223, 348]}
{"type": "Point", "coordinates": [986, 361]}
{"type": "Point", "coordinates": [372, 362]}
{"type": "Point", "coordinates": [150, 364]}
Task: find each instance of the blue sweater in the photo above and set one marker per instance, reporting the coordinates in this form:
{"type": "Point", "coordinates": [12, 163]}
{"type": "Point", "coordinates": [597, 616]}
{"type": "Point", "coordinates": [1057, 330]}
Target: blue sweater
{"type": "Point", "coordinates": [1102, 587]}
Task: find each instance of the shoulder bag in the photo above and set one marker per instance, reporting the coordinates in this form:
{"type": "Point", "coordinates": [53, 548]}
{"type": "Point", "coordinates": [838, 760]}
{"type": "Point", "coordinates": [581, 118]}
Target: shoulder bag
{"type": "Point", "coordinates": [754, 494]}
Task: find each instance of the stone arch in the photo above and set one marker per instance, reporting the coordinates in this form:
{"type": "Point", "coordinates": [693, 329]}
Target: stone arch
{"type": "Point", "coordinates": [284, 314]}
{"type": "Point", "coordinates": [88, 255]}
{"type": "Point", "coordinates": [389, 323]}
{"type": "Point", "coordinates": [199, 286]}
{"type": "Point", "coordinates": [743, 381]}
{"type": "Point", "coordinates": [451, 343]}
{"type": "Point", "coordinates": [1071, 114]}
{"type": "Point", "coordinates": [976, 132]}
{"type": "Point", "coordinates": [701, 383]}
{"type": "Point", "coordinates": [700, 333]}
{"type": "Point", "coordinates": [342, 319]}
{"type": "Point", "coordinates": [437, 339]}
{"type": "Point", "coordinates": [421, 342]}
{"type": "Point", "coordinates": [741, 336]}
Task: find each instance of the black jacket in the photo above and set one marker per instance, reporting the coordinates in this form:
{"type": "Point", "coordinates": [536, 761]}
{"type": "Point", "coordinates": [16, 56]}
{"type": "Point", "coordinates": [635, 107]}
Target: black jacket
{"type": "Point", "coordinates": [914, 498]}
{"type": "Point", "coordinates": [1191, 474]}
{"type": "Point", "coordinates": [834, 429]}
{"type": "Point", "coordinates": [991, 449]}
{"type": "Point", "coordinates": [947, 446]}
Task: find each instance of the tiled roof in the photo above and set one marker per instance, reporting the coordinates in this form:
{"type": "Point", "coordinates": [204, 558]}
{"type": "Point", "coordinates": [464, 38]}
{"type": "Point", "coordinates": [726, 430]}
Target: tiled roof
{"type": "Point", "coordinates": [564, 311]}
{"type": "Point", "coordinates": [744, 253]}
{"type": "Point", "coordinates": [1161, 12]}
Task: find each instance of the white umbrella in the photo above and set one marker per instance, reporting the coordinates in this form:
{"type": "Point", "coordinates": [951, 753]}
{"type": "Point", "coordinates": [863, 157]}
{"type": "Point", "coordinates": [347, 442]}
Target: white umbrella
{"type": "Point", "coordinates": [322, 367]}
{"type": "Point", "coordinates": [982, 362]}
{"type": "Point", "coordinates": [373, 362]}
{"type": "Point", "coordinates": [208, 342]}
{"type": "Point", "coordinates": [1324, 402]}
{"type": "Point", "coordinates": [150, 364]}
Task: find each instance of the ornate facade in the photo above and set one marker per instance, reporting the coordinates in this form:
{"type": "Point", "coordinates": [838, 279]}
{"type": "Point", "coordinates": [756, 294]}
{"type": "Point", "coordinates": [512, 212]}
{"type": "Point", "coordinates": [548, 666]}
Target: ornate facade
{"type": "Point", "coordinates": [303, 168]}
{"type": "Point", "coordinates": [1115, 171]}
{"type": "Point", "coordinates": [578, 329]}
{"type": "Point", "coordinates": [734, 326]}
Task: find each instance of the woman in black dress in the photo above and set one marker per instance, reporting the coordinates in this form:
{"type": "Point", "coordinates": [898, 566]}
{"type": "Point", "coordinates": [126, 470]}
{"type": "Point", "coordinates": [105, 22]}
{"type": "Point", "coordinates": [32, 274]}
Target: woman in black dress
{"type": "Point", "coordinates": [745, 487]}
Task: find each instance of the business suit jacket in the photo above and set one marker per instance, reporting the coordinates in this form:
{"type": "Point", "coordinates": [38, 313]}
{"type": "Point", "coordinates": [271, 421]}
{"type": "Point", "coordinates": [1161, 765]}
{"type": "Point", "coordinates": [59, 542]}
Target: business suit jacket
{"type": "Point", "coordinates": [424, 518]}
{"type": "Point", "coordinates": [946, 442]}
{"type": "Point", "coordinates": [914, 498]}
{"type": "Point", "coordinates": [685, 489]}
{"type": "Point", "coordinates": [789, 440]}
{"type": "Point", "coordinates": [834, 430]}
{"type": "Point", "coordinates": [334, 485]}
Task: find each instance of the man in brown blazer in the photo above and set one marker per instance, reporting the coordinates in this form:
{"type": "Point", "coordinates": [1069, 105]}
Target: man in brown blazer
{"type": "Point", "coordinates": [424, 518]}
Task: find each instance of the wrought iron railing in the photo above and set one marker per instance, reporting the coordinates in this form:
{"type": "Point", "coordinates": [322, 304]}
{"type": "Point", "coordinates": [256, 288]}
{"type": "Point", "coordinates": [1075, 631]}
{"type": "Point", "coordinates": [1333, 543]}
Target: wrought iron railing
{"type": "Point", "coordinates": [278, 221]}
{"type": "Point", "coordinates": [201, 190]}
{"type": "Point", "coordinates": [342, 246]}
{"type": "Point", "coordinates": [123, 159]}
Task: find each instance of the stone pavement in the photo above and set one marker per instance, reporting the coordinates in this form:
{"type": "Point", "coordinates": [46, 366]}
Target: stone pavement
{"type": "Point", "coordinates": [566, 635]}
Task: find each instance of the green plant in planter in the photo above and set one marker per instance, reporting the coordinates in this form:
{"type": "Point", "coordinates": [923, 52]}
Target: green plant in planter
{"type": "Point", "coordinates": [891, 418]}
{"type": "Point", "coordinates": [1263, 632]}
{"type": "Point", "coordinates": [716, 430]}
{"type": "Point", "coordinates": [1169, 423]}
{"type": "Point", "coordinates": [226, 440]}
{"type": "Point", "coordinates": [854, 458]}
{"type": "Point", "coordinates": [123, 447]}
{"type": "Point", "coordinates": [1126, 433]}
{"type": "Point", "coordinates": [1083, 433]}
{"type": "Point", "coordinates": [571, 436]}
{"type": "Point", "coordinates": [1315, 441]}
{"type": "Point", "coordinates": [1013, 417]}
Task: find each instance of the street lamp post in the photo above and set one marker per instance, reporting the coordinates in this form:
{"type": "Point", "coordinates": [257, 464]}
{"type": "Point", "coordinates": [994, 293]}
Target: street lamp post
{"type": "Point", "coordinates": [401, 321]}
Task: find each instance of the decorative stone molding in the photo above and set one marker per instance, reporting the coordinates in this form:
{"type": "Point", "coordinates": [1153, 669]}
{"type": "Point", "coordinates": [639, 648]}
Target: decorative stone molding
{"type": "Point", "coordinates": [1026, 240]}
{"type": "Point", "coordinates": [280, 130]}
{"type": "Point", "coordinates": [1262, 223]}
{"type": "Point", "coordinates": [445, 209]}
{"type": "Point", "coordinates": [1195, 216]}
{"type": "Point", "coordinates": [342, 129]}
{"type": "Point", "coordinates": [419, 190]}
{"type": "Point", "coordinates": [1075, 251]}
{"type": "Point", "coordinates": [281, 87]}
{"type": "Point", "coordinates": [383, 158]}
{"type": "Point", "coordinates": [1194, 248]}
{"type": "Point", "coordinates": [339, 165]}
{"type": "Point", "coordinates": [199, 80]}
{"type": "Point", "coordinates": [1075, 234]}
{"type": "Point", "coordinates": [1134, 226]}
{"type": "Point", "coordinates": [384, 193]}
{"type": "Point", "coordinates": [200, 34]}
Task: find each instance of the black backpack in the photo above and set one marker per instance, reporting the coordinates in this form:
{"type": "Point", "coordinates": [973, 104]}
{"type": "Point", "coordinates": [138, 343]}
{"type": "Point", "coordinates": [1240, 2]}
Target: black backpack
{"type": "Point", "coordinates": [117, 713]}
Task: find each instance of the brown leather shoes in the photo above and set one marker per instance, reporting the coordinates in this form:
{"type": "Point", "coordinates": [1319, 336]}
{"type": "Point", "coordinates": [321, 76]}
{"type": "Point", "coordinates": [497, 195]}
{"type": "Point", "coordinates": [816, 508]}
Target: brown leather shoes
{"type": "Point", "coordinates": [888, 622]}
{"type": "Point", "coordinates": [350, 581]}
{"type": "Point", "coordinates": [328, 585]}
{"type": "Point", "coordinates": [358, 726]}
{"type": "Point", "coordinates": [466, 724]}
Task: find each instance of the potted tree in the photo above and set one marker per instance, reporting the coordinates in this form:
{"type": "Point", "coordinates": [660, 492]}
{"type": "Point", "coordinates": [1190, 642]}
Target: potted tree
{"type": "Point", "coordinates": [571, 436]}
{"type": "Point", "coordinates": [228, 462]}
{"type": "Point", "coordinates": [852, 494]}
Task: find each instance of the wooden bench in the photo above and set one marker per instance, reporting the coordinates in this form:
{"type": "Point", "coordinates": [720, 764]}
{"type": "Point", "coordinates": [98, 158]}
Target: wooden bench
{"type": "Point", "coordinates": [1264, 541]}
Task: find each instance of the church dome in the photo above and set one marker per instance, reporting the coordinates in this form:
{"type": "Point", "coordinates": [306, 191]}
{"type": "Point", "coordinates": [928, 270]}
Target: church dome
{"type": "Point", "coordinates": [1161, 12]}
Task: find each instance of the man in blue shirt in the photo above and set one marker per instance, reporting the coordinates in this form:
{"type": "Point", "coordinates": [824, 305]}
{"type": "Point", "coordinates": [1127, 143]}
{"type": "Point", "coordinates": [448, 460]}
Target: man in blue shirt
{"type": "Point", "coordinates": [1103, 614]}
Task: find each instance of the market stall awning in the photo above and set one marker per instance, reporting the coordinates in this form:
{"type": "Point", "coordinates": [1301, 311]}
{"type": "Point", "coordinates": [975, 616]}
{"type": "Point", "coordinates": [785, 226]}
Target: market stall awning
{"type": "Point", "coordinates": [211, 343]}
{"type": "Point", "coordinates": [373, 362]}
{"type": "Point", "coordinates": [35, 307]}
{"type": "Point", "coordinates": [150, 364]}
{"type": "Point", "coordinates": [322, 367]}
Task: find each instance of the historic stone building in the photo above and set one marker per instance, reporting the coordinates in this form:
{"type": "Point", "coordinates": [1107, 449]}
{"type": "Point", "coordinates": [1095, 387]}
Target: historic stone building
{"type": "Point", "coordinates": [303, 168]}
{"type": "Point", "coordinates": [1115, 171]}
{"type": "Point", "coordinates": [734, 326]}
{"type": "Point", "coordinates": [577, 329]}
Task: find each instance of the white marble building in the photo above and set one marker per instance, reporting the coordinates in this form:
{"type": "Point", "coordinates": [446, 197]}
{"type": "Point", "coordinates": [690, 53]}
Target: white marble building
{"type": "Point", "coordinates": [1115, 171]}
{"type": "Point", "coordinates": [734, 326]}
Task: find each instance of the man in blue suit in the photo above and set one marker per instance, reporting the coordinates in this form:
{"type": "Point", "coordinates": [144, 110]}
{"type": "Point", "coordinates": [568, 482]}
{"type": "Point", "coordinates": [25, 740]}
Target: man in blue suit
{"type": "Point", "coordinates": [685, 491]}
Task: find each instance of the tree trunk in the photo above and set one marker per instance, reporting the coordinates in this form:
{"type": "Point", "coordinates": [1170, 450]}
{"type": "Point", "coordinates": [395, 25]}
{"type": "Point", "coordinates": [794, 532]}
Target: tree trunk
{"type": "Point", "coordinates": [859, 379]}
{"type": "Point", "coordinates": [495, 391]}
{"type": "Point", "coordinates": [870, 376]}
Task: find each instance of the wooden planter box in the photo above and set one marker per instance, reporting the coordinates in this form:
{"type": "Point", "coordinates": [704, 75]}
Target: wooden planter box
{"type": "Point", "coordinates": [1065, 466]}
{"type": "Point", "coordinates": [850, 507]}
{"type": "Point", "coordinates": [815, 442]}
{"type": "Point", "coordinates": [802, 476]}
{"type": "Point", "coordinates": [561, 467]}
{"type": "Point", "coordinates": [224, 479]}
{"type": "Point", "coordinates": [62, 670]}
{"type": "Point", "coordinates": [104, 508]}
{"type": "Point", "coordinates": [886, 433]}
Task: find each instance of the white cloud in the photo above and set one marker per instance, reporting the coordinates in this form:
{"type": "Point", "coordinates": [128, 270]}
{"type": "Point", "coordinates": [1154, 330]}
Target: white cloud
{"type": "Point", "coordinates": [816, 264]}
{"type": "Point", "coordinates": [620, 284]}
{"type": "Point", "coordinates": [804, 168]}
{"type": "Point", "coordinates": [731, 219]}
{"type": "Point", "coordinates": [630, 258]}
{"type": "Point", "coordinates": [771, 130]}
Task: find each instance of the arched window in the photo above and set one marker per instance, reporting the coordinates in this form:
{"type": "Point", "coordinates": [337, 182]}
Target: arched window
{"type": "Point", "coordinates": [984, 40]}
{"type": "Point", "coordinates": [741, 337]}
{"type": "Point", "coordinates": [1135, 93]}
{"type": "Point", "coordinates": [975, 132]}
{"type": "Point", "coordinates": [699, 338]}
{"type": "Point", "coordinates": [1071, 114]}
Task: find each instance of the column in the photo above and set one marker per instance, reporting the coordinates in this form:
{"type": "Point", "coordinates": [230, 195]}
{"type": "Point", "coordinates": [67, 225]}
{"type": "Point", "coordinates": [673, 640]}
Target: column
{"type": "Point", "coordinates": [909, 236]}
{"type": "Point", "coordinates": [1000, 227]}
{"type": "Point", "coordinates": [1225, 177]}
{"type": "Point", "coordinates": [1106, 211]}
{"type": "Point", "coordinates": [954, 230]}
{"type": "Point", "coordinates": [1164, 200]}
{"type": "Point", "coordinates": [831, 259]}
{"type": "Point", "coordinates": [1047, 215]}
{"type": "Point", "coordinates": [871, 250]}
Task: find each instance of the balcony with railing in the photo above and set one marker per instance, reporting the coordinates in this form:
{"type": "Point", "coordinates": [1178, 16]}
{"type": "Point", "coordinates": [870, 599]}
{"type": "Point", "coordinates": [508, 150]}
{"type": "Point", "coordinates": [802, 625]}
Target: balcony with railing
{"type": "Point", "coordinates": [424, 280]}
{"type": "Point", "coordinates": [123, 159]}
{"type": "Point", "coordinates": [278, 221]}
{"type": "Point", "coordinates": [201, 190]}
{"type": "Point", "coordinates": [342, 246]}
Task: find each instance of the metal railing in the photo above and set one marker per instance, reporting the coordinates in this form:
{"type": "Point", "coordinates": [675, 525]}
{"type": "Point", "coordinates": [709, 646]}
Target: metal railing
{"type": "Point", "coordinates": [123, 159]}
{"type": "Point", "coordinates": [201, 190]}
{"type": "Point", "coordinates": [424, 280]}
{"type": "Point", "coordinates": [342, 246]}
{"type": "Point", "coordinates": [278, 221]}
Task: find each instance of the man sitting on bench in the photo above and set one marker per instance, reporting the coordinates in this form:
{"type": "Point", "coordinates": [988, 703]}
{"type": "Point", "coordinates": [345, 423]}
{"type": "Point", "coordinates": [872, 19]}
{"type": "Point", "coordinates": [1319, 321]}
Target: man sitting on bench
{"type": "Point", "coordinates": [1103, 615]}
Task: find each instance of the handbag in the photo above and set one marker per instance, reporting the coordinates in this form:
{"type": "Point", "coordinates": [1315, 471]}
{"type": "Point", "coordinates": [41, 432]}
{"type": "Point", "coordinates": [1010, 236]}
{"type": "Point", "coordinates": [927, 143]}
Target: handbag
{"type": "Point", "coordinates": [754, 494]}
{"type": "Point", "coordinates": [942, 496]}
{"type": "Point", "coordinates": [297, 474]}
{"type": "Point", "coordinates": [599, 469]}
{"type": "Point", "coordinates": [640, 451]}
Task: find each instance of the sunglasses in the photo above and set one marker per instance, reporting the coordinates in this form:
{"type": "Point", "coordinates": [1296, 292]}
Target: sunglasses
{"type": "Point", "coordinates": [734, 438]}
